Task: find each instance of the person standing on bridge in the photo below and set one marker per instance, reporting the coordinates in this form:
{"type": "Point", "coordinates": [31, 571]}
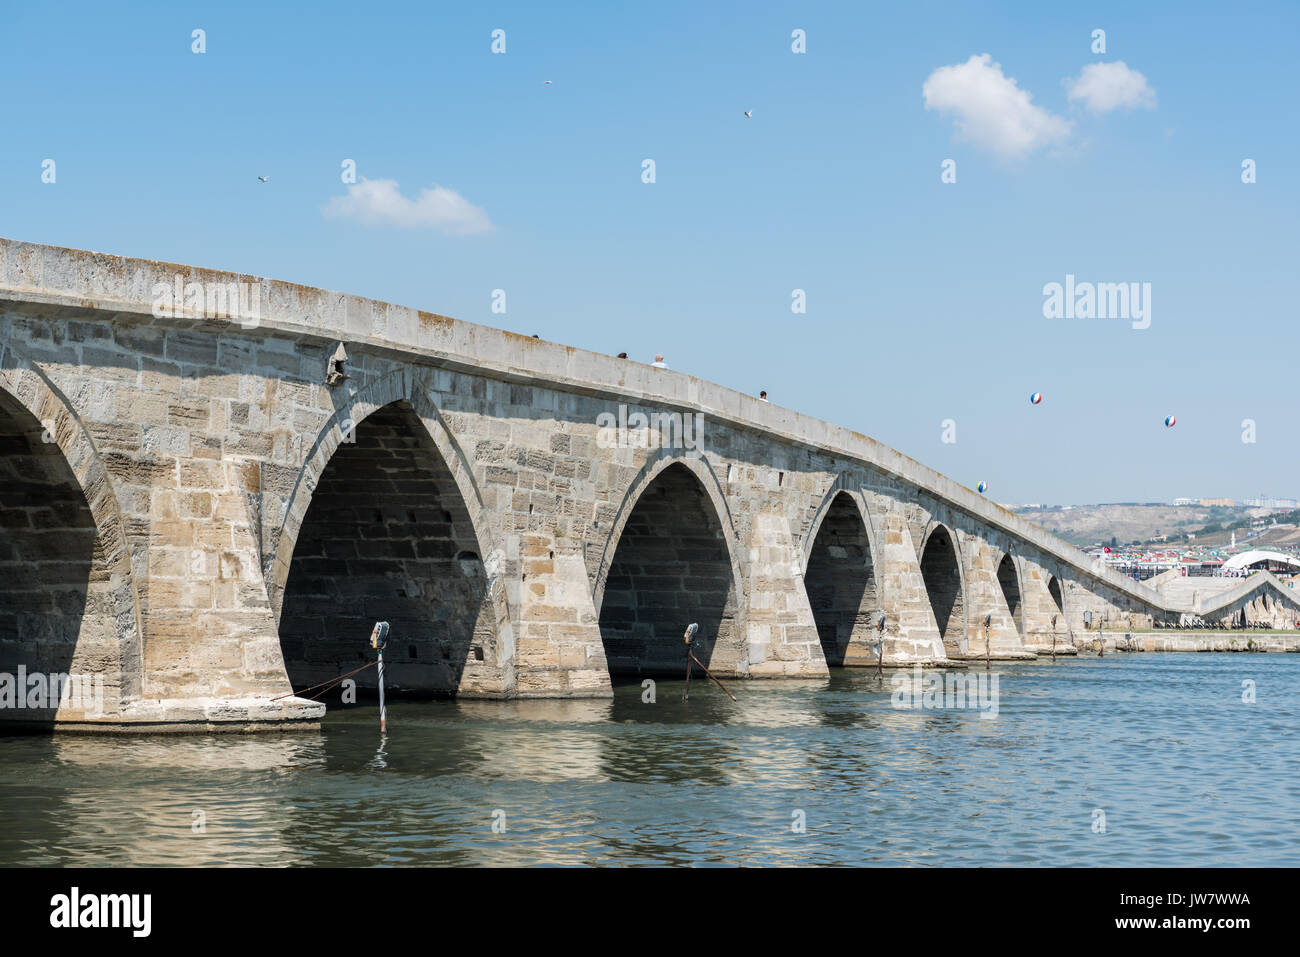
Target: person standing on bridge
{"type": "Point", "coordinates": [659, 362]}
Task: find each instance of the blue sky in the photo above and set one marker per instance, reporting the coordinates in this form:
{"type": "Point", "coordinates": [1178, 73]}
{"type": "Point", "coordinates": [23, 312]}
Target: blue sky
{"type": "Point", "coordinates": [924, 299]}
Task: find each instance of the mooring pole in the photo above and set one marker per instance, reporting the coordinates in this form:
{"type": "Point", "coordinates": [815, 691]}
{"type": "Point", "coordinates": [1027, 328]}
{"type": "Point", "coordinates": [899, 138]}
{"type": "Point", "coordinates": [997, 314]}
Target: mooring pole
{"type": "Point", "coordinates": [709, 674]}
{"type": "Point", "coordinates": [691, 629]}
{"type": "Point", "coordinates": [880, 646]}
{"type": "Point", "coordinates": [378, 639]}
{"type": "Point", "coordinates": [1053, 637]}
{"type": "Point", "coordinates": [988, 645]}
{"type": "Point", "coordinates": [1101, 640]}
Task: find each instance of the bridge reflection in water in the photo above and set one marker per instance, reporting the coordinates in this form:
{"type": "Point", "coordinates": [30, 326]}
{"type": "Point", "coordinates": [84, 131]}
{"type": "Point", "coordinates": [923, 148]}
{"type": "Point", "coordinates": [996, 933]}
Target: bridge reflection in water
{"type": "Point", "coordinates": [709, 781]}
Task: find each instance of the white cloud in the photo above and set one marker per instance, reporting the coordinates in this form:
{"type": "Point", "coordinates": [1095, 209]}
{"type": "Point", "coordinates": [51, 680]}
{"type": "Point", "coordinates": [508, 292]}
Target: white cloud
{"type": "Point", "coordinates": [1111, 86]}
{"type": "Point", "coordinates": [990, 110]}
{"type": "Point", "coordinates": [379, 202]}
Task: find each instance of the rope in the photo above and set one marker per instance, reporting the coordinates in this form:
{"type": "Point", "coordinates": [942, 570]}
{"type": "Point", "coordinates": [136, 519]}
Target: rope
{"type": "Point", "coordinates": [331, 682]}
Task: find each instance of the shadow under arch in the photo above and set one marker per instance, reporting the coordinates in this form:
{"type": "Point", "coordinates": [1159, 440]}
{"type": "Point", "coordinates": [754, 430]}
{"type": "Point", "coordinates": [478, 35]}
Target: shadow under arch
{"type": "Point", "coordinates": [340, 430]}
{"type": "Point", "coordinates": [68, 599]}
{"type": "Point", "coordinates": [1010, 582]}
{"type": "Point", "coordinates": [841, 577]}
{"type": "Point", "coordinates": [380, 527]}
{"type": "Point", "coordinates": [844, 484]}
{"type": "Point", "coordinates": [1058, 596]}
{"type": "Point", "coordinates": [670, 559]}
{"type": "Point", "coordinates": [945, 584]}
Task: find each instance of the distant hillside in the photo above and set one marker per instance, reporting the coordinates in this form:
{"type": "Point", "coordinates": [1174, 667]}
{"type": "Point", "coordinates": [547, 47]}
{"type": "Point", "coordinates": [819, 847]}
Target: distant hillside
{"type": "Point", "coordinates": [1279, 538]}
{"type": "Point", "coordinates": [1086, 524]}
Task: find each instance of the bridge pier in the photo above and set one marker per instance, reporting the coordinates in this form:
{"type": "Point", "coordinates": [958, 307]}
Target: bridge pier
{"type": "Point", "coordinates": [560, 653]}
{"type": "Point", "coordinates": [986, 598]}
{"type": "Point", "coordinates": [1043, 600]}
{"type": "Point", "coordinates": [911, 635]}
{"type": "Point", "coordinates": [782, 633]}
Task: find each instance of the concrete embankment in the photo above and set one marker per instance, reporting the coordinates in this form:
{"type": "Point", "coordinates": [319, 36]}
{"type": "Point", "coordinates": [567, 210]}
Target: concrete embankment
{"type": "Point", "coordinates": [1195, 641]}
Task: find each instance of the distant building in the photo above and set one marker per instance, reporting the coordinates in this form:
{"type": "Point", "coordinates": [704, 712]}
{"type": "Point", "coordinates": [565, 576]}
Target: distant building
{"type": "Point", "coordinates": [1266, 502]}
{"type": "Point", "coordinates": [1275, 562]}
{"type": "Point", "coordinates": [1184, 501]}
{"type": "Point", "coordinates": [1211, 502]}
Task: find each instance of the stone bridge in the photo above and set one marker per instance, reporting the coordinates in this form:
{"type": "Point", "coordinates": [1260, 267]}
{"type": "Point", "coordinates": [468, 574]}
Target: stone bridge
{"type": "Point", "coordinates": [211, 485]}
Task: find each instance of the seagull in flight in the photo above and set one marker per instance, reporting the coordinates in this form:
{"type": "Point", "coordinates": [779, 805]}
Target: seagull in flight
{"type": "Point", "coordinates": [263, 179]}
{"type": "Point", "coordinates": [750, 114]}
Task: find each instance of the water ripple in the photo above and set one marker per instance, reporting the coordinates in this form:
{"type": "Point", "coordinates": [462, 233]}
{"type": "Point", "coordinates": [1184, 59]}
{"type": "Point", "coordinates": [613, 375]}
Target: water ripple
{"type": "Point", "coordinates": [819, 772]}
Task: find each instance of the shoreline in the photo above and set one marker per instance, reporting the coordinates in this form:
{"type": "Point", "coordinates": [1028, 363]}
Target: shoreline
{"type": "Point", "coordinates": [1197, 641]}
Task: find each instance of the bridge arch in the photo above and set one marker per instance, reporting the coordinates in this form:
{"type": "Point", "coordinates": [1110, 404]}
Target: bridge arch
{"type": "Point", "coordinates": [387, 523]}
{"type": "Point", "coordinates": [841, 576]}
{"type": "Point", "coordinates": [670, 558]}
{"type": "Point", "coordinates": [844, 485]}
{"type": "Point", "coordinates": [71, 581]}
{"type": "Point", "coordinates": [339, 430]}
{"type": "Point", "coordinates": [945, 584]}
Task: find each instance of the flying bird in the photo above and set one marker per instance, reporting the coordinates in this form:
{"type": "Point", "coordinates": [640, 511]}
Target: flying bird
{"type": "Point", "coordinates": [547, 82]}
{"type": "Point", "coordinates": [749, 113]}
{"type": "Point", "coordinates": [263, 179]}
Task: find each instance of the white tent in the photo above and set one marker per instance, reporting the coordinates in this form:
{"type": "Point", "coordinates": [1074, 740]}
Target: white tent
{"type": "Point", "coordinates": [1258, 555]}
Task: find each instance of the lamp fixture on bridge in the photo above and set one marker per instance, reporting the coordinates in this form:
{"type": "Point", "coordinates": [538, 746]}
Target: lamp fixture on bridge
{"type": "Point", "coordinates": [335, 374]}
